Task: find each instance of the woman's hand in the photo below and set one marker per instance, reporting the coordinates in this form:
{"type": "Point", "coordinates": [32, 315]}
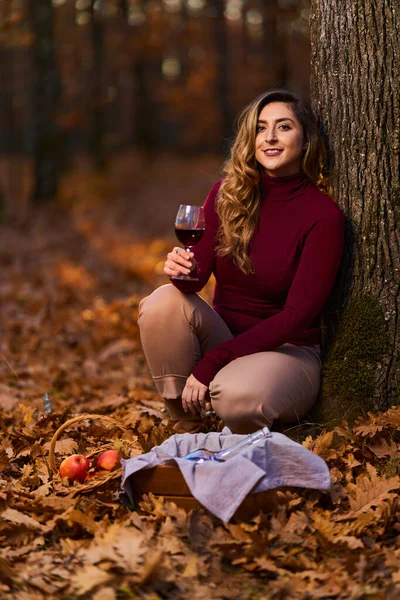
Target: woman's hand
{"type": "Point", "coordinates": [179, 262]}
{"type": "Point", "coordinates": [193, 396]}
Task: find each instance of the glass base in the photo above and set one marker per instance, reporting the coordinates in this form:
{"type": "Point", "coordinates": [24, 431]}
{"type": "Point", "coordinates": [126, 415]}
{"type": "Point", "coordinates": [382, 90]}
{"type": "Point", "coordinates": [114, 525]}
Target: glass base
{"type": "Point", "coordinates": [185, 278]}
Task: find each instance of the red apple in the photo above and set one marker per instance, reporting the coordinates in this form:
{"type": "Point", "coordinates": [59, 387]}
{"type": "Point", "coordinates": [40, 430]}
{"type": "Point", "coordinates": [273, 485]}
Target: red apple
{"type": "Point", "coordinates": [74, 467]}
{"type": "Point", "coordinates": [108, 460]}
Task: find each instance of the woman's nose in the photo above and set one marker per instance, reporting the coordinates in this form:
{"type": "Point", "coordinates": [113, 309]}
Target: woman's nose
{"type": "Point", "coordinates": [270, 135]}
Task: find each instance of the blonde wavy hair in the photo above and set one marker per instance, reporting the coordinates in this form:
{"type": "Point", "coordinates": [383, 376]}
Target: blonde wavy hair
{"type": "Point", "coordinates": [238, 201]}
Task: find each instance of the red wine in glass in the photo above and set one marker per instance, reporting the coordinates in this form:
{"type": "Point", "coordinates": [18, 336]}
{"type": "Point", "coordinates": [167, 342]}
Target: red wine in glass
{"type": "Point", "coordinates": [189, 237]}
{"type": "Point", "coordinates": [189, 229]}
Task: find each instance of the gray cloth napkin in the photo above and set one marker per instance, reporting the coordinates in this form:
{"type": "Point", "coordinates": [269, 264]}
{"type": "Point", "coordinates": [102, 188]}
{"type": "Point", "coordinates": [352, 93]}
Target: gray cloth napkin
{"type": "Point", "coordinates": [222, 486]}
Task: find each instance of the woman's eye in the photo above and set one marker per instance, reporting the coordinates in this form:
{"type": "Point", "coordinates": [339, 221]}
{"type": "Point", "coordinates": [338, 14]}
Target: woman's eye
{"type": "Point", "coordinates": [259, 128]}
{"type": "Point", "coordinates": [285, 126]}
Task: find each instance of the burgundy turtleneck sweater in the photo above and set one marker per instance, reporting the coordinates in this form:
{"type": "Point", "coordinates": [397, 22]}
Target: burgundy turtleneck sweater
{"type": "Point", "coordinates": [296, 252]}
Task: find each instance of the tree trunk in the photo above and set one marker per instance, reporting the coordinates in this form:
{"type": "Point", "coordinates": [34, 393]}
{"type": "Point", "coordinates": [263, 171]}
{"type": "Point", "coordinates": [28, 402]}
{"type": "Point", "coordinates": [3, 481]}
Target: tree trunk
{"type": "Point", "coordinates": [355, 79]}
{"type": "Point", "coordinates": [275, 65]}
{"type": "Point", "coordinates": [16, 161]}
{"type": "Point", "coordinates": [47, 143]}
{"type": "Point", "coordinates": [221, 47]}
{"type": "Point", "coordinates": [143, 135]}
{"type": "Point", "coordinates": [97, 136]}
{"type": "Point", "coordinates": [124, 8]}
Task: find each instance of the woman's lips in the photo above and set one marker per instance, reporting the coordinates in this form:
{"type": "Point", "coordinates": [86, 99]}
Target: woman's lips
{"type": "Point", "coordinates": [273, 152]}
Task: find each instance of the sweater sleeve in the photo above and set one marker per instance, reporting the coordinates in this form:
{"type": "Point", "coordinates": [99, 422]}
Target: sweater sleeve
{"type": "Point", "coordinates": [311, 286]}
{"type": "Point", "coordinates": [204, 251]}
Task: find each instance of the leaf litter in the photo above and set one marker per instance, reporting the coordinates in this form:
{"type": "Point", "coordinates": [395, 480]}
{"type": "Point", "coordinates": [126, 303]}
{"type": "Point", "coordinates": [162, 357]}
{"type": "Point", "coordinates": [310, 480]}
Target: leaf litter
{"type": "Point", "coordinates": [69, 330]}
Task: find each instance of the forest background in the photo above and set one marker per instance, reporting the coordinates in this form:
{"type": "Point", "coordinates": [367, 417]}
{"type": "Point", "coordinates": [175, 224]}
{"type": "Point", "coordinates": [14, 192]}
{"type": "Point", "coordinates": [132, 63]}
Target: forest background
{"type": "Point", "coordinates": [113, 112]}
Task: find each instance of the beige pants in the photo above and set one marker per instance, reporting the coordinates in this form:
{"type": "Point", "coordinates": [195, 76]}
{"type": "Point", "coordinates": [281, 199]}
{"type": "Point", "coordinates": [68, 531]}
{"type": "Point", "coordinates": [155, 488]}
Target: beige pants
{"type": "Point", "coordinates": [250, 392]}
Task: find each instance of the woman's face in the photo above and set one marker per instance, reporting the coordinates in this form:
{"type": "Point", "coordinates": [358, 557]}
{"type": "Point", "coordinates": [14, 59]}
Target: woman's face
{"type": "Point", "coordinates": [280, 140]}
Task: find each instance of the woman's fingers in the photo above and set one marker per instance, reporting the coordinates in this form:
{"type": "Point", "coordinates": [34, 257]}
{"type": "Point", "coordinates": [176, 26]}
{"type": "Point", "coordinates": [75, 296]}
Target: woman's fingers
{"type": "Point", "coordinates": [190, 402]}
{"type": "Point", "coordinates": [202, 398]}
{"type": "Point", "coordinates": [193, 395]}
{"type": "Point", "coordinates": [177, 262]}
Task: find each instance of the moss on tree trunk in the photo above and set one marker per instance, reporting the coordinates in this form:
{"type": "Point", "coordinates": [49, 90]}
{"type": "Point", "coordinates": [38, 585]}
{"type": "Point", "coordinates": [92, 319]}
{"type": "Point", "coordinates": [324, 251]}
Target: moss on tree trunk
{"type": "Point", "coordinates": [349, 374]}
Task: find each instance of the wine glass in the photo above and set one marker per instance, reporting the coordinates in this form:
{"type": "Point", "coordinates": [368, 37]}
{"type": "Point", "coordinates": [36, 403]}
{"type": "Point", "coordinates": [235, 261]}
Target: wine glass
{"type": "Point", "coordinates": [189, 229]}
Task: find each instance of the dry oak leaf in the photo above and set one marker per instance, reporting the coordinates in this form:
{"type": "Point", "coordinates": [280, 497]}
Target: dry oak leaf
{"type": "Point", "coordinates": [262, 563]}
{"type": "Point", "coordinates": [171, 545]}
{"type": "Point", "coordinates": [58, 503]}
{"type": "Point", "coordinates": [107, 593]}
{"type": "Point", "coordinates": [293, 531]}
{"type": "Point", "coordinates": [313, 575]}
{"type": "Point", "coordinates": [200, 530]}
{"type": "Point", "coordinates": [322, 445]}
{"type": "Point", "coordinates": [128, 544]}
{"type": "Point", "coordinates": [130, 547]}
{"type": "Point", "coordinates": [238, 533]}
{"type": "Point", "coordinates": [27, 415]}
{"type": "Point", "coordinates": [372, 492]}
{"type": "Point", "coordinates": [72, 515]}
{"type": "Point", "coordinates": [4, 461]}
{"type": "Point", "coordinates": [7, 573]}
{"type": "Point", "coordinates": [392, 417]}
{"type": "Point", "coordinates": [359, 524]}
{"type": "Point", "coordinates": [89, 578]}
{"type": "Point", "coordinates": [19, 518]}
{"type": "Point", "coordinates": [151, 566]}
{"type": "Point", "coordinates": [350, 461]}
{"type": "Point", "coordinates": [43, 491]}
{"type": "Point", "coordinates": [191, 569]}
{"type": "Point", "coordinates": [8, 399]}
{"type": "Point", "coordinates": [335, 533]}
{"type": "Point", "coordinates": [63, 447]}
{"type": "Point", "coordinates": [118, 347]}
{"type": "Point", "coordinates": [384, 448]}
{"type": "Point", "coordinates": [350, 540]}
{"type": "Point", "coordinates": [372, 426]}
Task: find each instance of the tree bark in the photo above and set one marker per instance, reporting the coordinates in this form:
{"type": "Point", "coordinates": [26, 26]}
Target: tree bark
{"type": "Point", "coordinates": [97, 137]}
{"type": "Point", "coordinates": [47, 142]}
{"type": "Point", "coordinates": [275, 64]}
{"type": "Point", "coordinates": [221, 47]}
{"type": "Point", "coordinates": [124, 8]}
{"type": "Point", "coordinates": [355, 78]}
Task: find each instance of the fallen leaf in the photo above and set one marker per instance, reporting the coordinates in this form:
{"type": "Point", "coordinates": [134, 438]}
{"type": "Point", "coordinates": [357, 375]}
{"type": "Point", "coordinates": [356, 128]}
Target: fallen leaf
{"type": "Point", "coordinates": [191, 569]}
{"type": "Point", "coordinates": [8, 573]}
{"type": "Point", "coordinates": [19, 518]}
{"type": "Point", "coordinates": [8, 398]}
{"type": "Point", "coordinates": [4, 461]}
{"type": "Point", "coordinates": [372, 492]}
{"type": "Point", "coordinates": [76, 516]}
{"type": "Point", "coordinates": [118, 347]}
{"type": "Point", "coordinates": [88, 578]}
{"type": "Point", "coordinates": [106, 593]}
{"type": "Point", "coordinates": [200, 530]}
{"type": "Point", "coordinates": [66, 446]}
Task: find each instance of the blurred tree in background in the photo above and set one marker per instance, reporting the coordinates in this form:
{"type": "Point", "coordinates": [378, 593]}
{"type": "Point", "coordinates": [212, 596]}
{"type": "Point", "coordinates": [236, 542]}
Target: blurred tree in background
{"type": "Point", "coordinates": [45, 95]}
{"type": "Point", "coordinates": [96, 76]}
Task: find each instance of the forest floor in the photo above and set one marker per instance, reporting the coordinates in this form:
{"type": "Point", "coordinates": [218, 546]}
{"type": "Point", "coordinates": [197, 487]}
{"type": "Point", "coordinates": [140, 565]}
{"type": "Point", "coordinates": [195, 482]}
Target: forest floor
{"type": "Point", "coordinates": [71, 281]}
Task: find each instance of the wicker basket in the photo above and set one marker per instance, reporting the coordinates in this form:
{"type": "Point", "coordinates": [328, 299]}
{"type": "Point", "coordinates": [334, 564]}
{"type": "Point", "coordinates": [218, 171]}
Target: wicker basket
{"type": "Point", "coordinates": [108, 475]}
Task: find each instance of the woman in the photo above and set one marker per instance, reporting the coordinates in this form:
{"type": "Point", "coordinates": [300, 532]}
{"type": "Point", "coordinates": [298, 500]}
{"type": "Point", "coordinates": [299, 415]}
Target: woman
{"type": "Point", "coordinates": [274, 241]}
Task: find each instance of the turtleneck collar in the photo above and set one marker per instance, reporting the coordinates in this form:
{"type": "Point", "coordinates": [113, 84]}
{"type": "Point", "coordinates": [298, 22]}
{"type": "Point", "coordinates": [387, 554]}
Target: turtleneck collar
{"type": "Point", "coordinates": [282, 189]}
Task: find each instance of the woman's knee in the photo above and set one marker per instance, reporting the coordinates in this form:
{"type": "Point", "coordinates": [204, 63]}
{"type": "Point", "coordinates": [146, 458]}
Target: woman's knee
{"type": "Point", "coordinates": [159, 304]}
{"type": "Point", "coordinates": [233, 406]}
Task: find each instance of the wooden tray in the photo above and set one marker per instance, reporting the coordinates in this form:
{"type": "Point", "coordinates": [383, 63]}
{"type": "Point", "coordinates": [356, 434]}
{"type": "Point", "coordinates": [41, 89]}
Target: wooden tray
{"type": "Point", "coordinates": [168, 481]}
